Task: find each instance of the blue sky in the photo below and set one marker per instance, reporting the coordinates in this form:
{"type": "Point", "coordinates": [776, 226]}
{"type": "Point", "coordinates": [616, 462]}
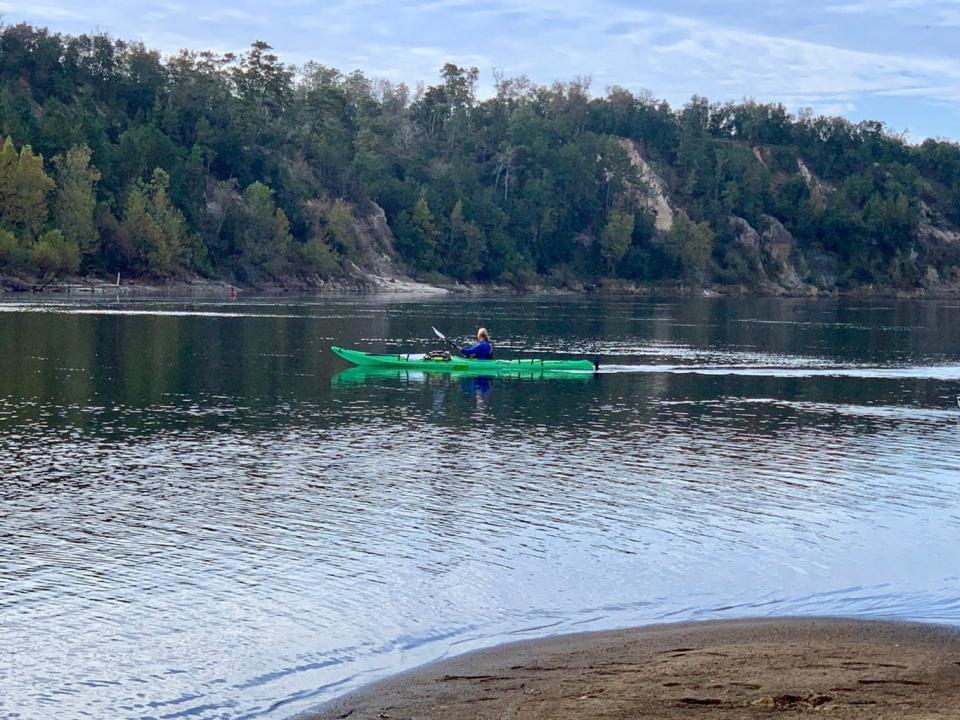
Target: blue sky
{"type": "Point", "coordinates": [892, 60]}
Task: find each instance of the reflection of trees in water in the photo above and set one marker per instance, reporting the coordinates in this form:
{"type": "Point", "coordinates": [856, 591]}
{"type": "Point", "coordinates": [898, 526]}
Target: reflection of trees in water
{"type": "Point", "coordinates": [72, 361]}
{"type": "Point", "coordinates": [273, 371]}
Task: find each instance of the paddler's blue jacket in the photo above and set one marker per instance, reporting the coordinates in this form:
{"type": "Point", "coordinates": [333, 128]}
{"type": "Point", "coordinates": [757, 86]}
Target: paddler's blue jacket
{"type": "Point", "coordinates": [483, 350]}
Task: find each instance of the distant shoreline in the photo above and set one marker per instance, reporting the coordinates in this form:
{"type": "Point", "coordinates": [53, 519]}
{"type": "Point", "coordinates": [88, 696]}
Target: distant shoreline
{"type": "Point", "coordinates": [204, 287]}
{"type": "Point", "coordinates": [717, 669]}
{"type": "Point", "coordinates": [376, 285]}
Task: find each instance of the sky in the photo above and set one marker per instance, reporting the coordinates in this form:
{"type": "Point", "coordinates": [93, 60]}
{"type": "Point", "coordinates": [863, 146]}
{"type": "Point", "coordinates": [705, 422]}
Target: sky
{"type": "Point", "coordinates": [891, 60]}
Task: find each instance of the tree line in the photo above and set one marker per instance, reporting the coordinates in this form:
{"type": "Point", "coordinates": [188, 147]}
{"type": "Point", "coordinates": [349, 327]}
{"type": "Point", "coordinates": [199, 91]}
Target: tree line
{"type": "Point", "coordinates": [115, 159]}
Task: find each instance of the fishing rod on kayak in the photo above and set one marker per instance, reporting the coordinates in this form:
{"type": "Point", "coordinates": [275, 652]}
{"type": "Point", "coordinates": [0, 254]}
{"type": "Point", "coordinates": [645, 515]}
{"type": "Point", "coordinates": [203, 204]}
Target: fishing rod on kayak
{"type": "Point", "coordinates": [447, 340]}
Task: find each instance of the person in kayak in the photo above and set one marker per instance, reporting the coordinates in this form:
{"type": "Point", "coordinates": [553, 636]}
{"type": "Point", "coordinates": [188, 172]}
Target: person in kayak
{"type": "Point", "coordinates": [483, 350]}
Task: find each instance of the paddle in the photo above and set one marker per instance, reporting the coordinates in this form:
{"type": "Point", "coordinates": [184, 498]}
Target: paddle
{"type": "Point", "coordinates": [447, 340]}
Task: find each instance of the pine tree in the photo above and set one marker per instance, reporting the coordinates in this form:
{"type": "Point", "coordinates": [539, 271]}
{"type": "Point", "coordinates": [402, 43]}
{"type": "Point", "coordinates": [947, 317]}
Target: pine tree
{"type": "Point", "coordinates": [463, 245]}
{"type": "Point", "coordinates": [424, 235]}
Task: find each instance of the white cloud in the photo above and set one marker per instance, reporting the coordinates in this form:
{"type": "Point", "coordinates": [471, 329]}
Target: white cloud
{"type": "Point", "coordinates": [39, 10]}
{"type": "Point", "coordinates": [234, 15]}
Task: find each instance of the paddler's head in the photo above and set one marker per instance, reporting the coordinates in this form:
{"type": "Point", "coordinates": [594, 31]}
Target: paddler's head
{"type": "Point", "coordinates": [482, 334]}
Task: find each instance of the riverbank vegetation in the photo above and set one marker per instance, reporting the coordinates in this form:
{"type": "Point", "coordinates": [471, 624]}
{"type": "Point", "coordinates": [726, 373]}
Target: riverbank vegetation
{"type": "Point", "coordinates": [115, 159]}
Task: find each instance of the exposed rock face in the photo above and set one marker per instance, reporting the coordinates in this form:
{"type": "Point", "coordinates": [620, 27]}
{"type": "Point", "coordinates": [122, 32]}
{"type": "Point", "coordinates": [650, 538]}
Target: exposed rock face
{"type": "Point", "coordinates": [806, 172]}
{"type": "Point", "coordinates": [945, 236]}
{"type": "Point", "coordinates": [379, 269]}
{"type": "Point", "coordinates": [818, 189]}
{"type": "Point", "coordinates": [375, 241]}
{"type": "Point", "coordinates": [775, 254]}
{"type": "Point", "coordinates": [747, 237]}
{"type": "Point", "coordinates": [822, 269]}
{"type": "Point", "coordinates": [761, 153]}
{"type": "Point", "coordinates": [934, 229]}
{"type": "Point", "coordinates": [937, 237]}
{"type": "Point", "coordinates": [653, 195]}
{"type": "Point", "coordinates": [776, 240]}
{"type": "Point", "coordinates": [779, 246]}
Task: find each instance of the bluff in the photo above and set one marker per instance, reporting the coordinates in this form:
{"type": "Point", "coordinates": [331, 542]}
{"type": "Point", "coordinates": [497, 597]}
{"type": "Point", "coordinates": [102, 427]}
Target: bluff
{"type": "Point", "coordinates": [243, 169]}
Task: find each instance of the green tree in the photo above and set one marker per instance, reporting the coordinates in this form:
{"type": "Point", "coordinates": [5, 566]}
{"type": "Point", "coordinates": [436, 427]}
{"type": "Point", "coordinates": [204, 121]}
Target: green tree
{"type": "Point", "coordinates": [170, 221]}
{"type": "Point", "coordinates": [75, 199]}
{"type": "Point", "coordinates": [8, 179]}
{"type": "Point", "coordinates": [692, 243]}
{"type": "Point", "coordinates": [54, 255]}
{"type": "Point", "coordinates": [265, 233]}
{"type": "Point", "coordinates": [616, 237]}
{"type": "Point", "coordinates": [23, 190]}
{"type": "Point", "coordinates": [340, 224]}
{"type": "Point", "coordinates": [417, 236]}
{"type": "Point", "coordinates": [151, 254]}
{"type": "Point", "coordinates": [33, 186]}
{"type": "Point", "coordinates": [462, 246]}
{"type": "Point", "coordinates": [156, 229]}
{"type": "Point", "coordinates": [320, 258]}
{"type": "Point", "coordinates": [10, 250]}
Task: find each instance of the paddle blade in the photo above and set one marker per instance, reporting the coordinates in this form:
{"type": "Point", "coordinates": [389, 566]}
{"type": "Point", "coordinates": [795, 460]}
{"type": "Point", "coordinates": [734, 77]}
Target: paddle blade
{"type": "Point", "coordinates": [439, 334]}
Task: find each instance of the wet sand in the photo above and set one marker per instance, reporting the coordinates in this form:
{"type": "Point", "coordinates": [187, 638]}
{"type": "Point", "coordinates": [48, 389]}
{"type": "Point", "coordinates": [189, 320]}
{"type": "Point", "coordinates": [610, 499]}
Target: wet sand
{"type": "Point", "coordinates": [727, 669]}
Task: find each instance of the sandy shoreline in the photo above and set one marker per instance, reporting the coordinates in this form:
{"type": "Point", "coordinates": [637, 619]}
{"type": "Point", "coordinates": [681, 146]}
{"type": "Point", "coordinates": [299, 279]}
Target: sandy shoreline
{"type": "Point", "coordinates": [724, 669]}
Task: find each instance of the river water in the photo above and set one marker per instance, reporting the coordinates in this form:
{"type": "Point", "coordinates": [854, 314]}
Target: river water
{"type": "Point", "coordinates": [204, 516]}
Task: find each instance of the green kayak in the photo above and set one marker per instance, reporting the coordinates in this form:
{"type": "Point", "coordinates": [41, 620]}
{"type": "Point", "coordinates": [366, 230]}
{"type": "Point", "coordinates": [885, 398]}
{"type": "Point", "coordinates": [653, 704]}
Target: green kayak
{"type": "Point", "coordinates": [353, 376]}
{"type": "Point", "coordinates": [418, 361]}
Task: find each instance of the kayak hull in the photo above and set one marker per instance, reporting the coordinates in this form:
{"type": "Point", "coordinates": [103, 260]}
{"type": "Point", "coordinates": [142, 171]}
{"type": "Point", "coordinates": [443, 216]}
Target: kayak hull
{"type": "Point", "coordinates": [358, 375]}
{"type": "Point", "coordinates": [412, 361]}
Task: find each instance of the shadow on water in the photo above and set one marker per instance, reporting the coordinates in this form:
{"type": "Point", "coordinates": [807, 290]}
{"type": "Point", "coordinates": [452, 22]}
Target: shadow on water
{"type": "Point", "coordinates": [210, 517]}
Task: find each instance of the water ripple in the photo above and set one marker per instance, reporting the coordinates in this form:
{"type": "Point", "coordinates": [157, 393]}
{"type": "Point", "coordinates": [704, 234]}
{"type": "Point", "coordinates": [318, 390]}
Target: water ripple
{"type": "Point", "coordinates": [212, 523]}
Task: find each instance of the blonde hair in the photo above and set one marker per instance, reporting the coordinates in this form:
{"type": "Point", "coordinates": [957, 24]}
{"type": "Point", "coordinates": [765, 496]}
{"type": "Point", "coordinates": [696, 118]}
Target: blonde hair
{"type": "Point", "coordinates": [482, 334]}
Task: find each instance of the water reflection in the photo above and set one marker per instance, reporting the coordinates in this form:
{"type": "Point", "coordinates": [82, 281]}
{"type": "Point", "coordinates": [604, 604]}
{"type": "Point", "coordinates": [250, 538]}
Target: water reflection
{"type": "Point", "coordinates": [206, 515]}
